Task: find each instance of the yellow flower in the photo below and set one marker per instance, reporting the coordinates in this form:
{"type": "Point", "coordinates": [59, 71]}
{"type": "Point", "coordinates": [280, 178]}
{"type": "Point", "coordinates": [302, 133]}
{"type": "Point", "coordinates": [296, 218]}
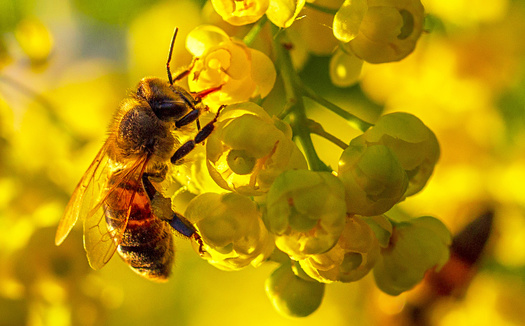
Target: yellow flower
{"type": "Point", "coordinates": [415, 246]}
{"type": "Point", "coordinates": [241, 12]}
{"type": "Point", "coordinates": [306, 211]}
{"type": "Point", "coordinates": [233, 233]}
{"type": "Point", "coordinates": [373, 178]}
{"type": "Point", "coordinates": [248, 150]}
{"type": "Point", "coordinates": [283, 12]}
{"type": "Point", "coordinates": [350, 259]}
{"type": "Point", "coordinates": [241, 73]}
{"type": "Point", "coordinates": [413, 143]}
{"type": "Point", "coordinates": [379, 30]}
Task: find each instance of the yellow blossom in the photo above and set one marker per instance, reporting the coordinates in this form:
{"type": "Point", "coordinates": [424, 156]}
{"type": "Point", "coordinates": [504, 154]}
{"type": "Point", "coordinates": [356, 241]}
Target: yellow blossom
{"type": "Point", "coordinates": [388, 31]}
{"type": "Point", "coordinates": [242, 12]}
{"type": "Point", "coordinates": [240, 72]}
{"type": "Point", "coordinates": [248, 149]}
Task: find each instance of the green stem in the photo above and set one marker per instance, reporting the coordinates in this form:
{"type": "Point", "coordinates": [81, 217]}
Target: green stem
{"type": "Point", "coordinates": [352, 119]}
{"type": "Point", "coordinates": [295, 105]}
{"type": "Point", "coordinates": [317, 128]}
{"type": "Point", "coordinates": [252, 34]}
{"type": "Point", "coordinates": [321, 8]}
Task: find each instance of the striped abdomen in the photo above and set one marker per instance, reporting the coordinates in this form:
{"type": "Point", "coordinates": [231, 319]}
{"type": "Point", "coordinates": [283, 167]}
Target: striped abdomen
{"type": "Point", "coordinates": [146, 243]}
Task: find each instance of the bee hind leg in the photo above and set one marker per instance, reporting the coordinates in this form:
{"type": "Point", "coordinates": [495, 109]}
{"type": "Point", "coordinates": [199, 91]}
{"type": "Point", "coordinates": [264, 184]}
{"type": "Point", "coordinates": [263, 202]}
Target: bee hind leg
{"type": "Point", "coordinates": [184, 227]}
{"type": "Point", "coordinates": [161, 207]}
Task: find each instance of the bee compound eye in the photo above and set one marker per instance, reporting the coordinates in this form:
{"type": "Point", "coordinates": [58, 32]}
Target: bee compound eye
{"type": "Point", "coordinates": [170, 109]}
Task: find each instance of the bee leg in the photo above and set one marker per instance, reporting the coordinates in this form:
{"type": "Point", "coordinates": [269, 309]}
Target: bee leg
{"type": "Point", "coordinates": [161, 206]}
{"type": "Point", "coordinates": [184, 227]}
{"type": "Point", "coordinates": [195, 113]}
{"type": "Point", "coordinates": [188, 146]}
{"type": "Point", "coordinates": [188, 118]}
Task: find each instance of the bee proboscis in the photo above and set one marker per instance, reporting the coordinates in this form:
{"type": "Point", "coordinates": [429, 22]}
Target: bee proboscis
{"type": "Point", "coordinates": [118, 198]}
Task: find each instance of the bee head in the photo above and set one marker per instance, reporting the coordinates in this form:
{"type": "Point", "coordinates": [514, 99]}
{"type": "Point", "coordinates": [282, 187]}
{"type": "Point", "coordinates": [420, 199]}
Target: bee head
{"type": "Point", "coordinates": [168, 102]}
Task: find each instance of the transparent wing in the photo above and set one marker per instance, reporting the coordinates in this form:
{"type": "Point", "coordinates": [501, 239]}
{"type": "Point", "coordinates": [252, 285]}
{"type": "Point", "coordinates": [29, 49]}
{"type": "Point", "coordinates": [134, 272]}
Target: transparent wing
{"type": "Point", "coordinates": [100, 237]}
{"type": "Point", "coordinates": [85, 195]}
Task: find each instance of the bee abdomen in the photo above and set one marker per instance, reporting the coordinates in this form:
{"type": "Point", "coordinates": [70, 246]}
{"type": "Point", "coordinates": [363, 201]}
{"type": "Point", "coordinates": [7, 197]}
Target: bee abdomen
{"type": "Point", "coordinates": [147, 246]}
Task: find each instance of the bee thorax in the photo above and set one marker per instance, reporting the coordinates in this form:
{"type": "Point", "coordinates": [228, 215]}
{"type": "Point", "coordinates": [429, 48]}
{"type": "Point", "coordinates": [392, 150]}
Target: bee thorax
{"type": "Point", "coordinates": [140, 131]}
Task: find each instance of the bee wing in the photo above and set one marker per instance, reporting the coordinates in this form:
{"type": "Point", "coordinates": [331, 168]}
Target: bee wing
{"type": "Point", "coordinates": [84, 196]}
{"type": "Point", "coordinates": [100, 239]}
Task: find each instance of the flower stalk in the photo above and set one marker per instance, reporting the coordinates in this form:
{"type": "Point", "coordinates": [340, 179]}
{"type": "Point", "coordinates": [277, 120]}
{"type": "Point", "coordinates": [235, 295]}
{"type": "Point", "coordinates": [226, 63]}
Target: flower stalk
{"type": "Point", "coordinates": [295, 103]}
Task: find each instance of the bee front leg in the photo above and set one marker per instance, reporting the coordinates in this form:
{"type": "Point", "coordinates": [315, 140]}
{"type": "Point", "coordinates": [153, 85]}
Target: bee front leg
{"type": "Point", "coordinates": [188, 146]}
{"type": "Point", "coordinates": [195, 113]}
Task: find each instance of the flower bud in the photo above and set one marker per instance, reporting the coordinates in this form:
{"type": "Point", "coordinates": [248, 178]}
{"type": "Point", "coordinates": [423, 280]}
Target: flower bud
{"type": "Point", "coordinates": [248, 149]}
{"type": "Point", "coordinates": [240, 72]}
{"type": "Point", "coordinates": [373, 178]}
{"type": "Point", "coordinates": [348, 19]}
{"type": "Point", "coordinates": [345, 68]}
{"type": "Point", "coordinates": [231, 228]}
{"type": "Point", "coordinates": [306, 211]}
{"type": "Point", "coordinates": [387, 31]}
{"type": "Point", "coordinates": [283, 12]}
{"type": "Point", "coordinates": [292, 295]}
{"type": "Point", "coordinates": [416, 246]}
{"type": "Point", "coordinates": [240, 12]}
{"type": "Point", "coordinates": [414, 144]}
{"type": "Point", "coordinates": [350, 259]}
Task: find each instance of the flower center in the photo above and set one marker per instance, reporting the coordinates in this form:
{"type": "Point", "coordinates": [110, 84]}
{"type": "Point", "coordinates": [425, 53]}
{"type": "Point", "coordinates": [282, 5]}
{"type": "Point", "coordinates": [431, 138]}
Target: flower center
{"type": "Point", "coordinates": [408, 24]}
{"type": "Point", "coordinates": [240, 162]}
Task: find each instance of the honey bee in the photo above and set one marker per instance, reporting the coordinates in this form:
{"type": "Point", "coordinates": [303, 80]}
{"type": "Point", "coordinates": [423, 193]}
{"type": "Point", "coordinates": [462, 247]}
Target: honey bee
{"type": "Point", "coordinates": [117, 198]}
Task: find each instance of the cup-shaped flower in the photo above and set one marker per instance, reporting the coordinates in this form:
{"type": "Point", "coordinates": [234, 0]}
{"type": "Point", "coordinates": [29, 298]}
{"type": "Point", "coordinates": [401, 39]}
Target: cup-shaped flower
{"type": "Point", "coordinates": [379, 31]}
{"type": "Point", "coordinates": [415, 247]}
{"type": "Point", "coordinates": [240, 72]}
{"type": "Point", "coordinates": [231, 228]}
{"type": "Point", "coordinates": [414, 144]}
{"type": "Point", "coordinates": [350, 259]}
{"type": "Point", "coordinates": [248, 149]}
{"type": "Point", "coordinates": [306, 211]}
{"type": "Point", "coordinates": [292, 295]}
{"type": "Point", "coordinates": [373, 178]}
{"type": "Point", "coordinates": [240, 12]}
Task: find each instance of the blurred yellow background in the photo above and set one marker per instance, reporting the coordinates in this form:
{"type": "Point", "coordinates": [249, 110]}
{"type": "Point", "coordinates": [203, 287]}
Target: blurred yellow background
{"type": "Point", "coordinates": [66, 64]}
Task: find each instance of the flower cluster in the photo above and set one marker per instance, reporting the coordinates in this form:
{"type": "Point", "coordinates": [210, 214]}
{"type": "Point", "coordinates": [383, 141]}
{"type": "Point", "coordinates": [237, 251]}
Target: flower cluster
{"type": "Point", "coordinates": [330, 224]}
{"type": "Point", "coordinates": [319, 197]}
{"type": "Point", "coordinates": [362, 30]}
{"type": "Point", "coordinates": [279, 201]}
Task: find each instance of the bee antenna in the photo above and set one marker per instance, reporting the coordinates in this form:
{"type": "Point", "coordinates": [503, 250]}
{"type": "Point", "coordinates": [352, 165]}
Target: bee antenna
{"type": "Point", "coordinates": [170, 79]}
